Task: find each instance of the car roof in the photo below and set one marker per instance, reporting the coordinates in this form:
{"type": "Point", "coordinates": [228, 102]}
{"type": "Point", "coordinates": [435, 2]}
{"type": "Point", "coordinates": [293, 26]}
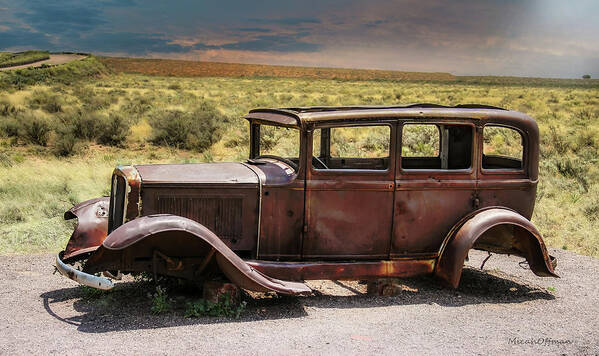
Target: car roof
{"type": "Point", "coordinates": [299, 117]}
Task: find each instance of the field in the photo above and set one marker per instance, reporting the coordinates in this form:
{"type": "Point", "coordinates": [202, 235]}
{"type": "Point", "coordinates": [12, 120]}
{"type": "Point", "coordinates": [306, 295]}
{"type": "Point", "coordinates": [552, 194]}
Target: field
{"type": "Point", "coordinates": [181, 68]}
{"type": "Point", "coordinates": [14, 59]}
{"type": "Point", "coordinates": [49, 161]}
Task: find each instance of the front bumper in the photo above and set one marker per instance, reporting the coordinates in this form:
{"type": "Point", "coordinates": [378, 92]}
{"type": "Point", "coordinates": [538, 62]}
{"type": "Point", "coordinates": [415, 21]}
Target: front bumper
{"type": "Point", "coordinates": [81, 277]}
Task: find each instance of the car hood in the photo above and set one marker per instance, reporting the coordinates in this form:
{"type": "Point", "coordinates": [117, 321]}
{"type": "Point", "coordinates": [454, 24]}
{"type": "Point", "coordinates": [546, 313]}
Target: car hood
{"type": "Point", "coordinates": [197, 173]}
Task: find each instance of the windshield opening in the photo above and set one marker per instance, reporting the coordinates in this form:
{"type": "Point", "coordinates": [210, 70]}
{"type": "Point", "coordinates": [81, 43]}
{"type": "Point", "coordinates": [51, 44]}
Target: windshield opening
{"type": "Point", "coordinates": [279, 142]}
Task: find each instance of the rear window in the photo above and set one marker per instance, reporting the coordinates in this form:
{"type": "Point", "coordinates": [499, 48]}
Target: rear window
{"type": "Point", "coordinates": [503, 148]}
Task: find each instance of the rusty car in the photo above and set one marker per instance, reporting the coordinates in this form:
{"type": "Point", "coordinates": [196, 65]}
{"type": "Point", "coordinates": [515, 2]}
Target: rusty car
{"type": "Point", "coordinates": [329, 193]}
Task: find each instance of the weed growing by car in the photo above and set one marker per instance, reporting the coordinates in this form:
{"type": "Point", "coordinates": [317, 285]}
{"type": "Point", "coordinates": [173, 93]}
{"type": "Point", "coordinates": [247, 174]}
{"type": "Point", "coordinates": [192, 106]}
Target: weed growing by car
{"type": "Point", "coordinates": [160, 301]}
{"type": "Point", "coordinates": [40, 183]}
{"type": "Point", "coordinates": [90, 293]}
{"type": "Point", "coordinates": [224, 307]}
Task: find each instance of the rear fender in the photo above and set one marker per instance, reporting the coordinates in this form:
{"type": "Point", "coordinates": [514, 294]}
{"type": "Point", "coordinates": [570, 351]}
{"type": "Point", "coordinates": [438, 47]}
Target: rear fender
{"type": "Point", "coordinates": [496, 230]}
{"type": "Point", "coordinates": [181, 237]}
{"type": "Point", "coordinates": [91, 229]}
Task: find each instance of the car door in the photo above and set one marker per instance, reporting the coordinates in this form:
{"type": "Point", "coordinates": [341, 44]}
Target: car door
{"type": "Point", "coordinates": [349, 191]}
{"type": "Point", "coordinates": [435, 186]}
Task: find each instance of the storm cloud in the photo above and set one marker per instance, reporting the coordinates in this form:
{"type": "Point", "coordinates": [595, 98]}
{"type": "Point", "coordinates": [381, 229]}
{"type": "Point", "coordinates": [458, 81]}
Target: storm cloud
{"type": "Point", "coordinates": [492, 37]}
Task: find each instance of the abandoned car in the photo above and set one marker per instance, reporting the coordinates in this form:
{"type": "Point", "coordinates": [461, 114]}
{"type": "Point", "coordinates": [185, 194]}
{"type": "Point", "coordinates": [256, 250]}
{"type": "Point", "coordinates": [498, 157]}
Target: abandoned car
{"type": "Point", "coordinates": [336, 193]}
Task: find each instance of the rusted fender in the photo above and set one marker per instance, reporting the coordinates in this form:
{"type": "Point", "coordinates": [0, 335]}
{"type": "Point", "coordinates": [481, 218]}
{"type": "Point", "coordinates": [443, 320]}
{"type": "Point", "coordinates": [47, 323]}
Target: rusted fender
{"type": "Point", "coordinates": [526, 242]}
{"type": "Point", "coordinates": [236, 269]}
{"type": "Point", "coordinates": [92, 226]}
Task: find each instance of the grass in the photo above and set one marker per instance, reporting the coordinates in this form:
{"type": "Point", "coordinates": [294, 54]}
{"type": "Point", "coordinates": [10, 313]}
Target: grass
{"type": "Point", "coordinates": [37, 186]}
{"type": "Point", "coordinates": [16, 59]}
{"type": "Point", "coordinates": [66, 74]}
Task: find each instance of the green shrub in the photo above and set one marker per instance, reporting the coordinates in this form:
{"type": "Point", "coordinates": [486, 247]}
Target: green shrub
{"type": "Point", "coordinates": [83, 124]}
{"type": "Point", "coordinates": [35, 129]}
{"type": "Point", "coordinates": [224, 307]}
{"type": "Point", "coordinates": [9, 126]}
{"type": "Point", "coordinates": [113, 131]}
{"type": "Point", "coordinates": [66, 141]}
{"type": "Point", "coordinates": [7, 108]}
{"type": "Point", "coordinates": [46, 100]}
{"type": "Point", "coordinates": [94, 100]}
{"type": "Point", "coordinates": [195, 130]}
{"type": "Point", "coordinates": [137, 105]}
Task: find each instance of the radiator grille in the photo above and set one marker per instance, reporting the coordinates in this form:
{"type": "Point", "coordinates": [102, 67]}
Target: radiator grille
{"type": "Point", "coordinates": [222, 215]}
{"type": "Point", "coordinates": [116, 209]}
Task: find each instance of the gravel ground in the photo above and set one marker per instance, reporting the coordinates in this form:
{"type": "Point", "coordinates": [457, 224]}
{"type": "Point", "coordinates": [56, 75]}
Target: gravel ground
{"type": "Point", "coordinates": [511, 311]}
{"type": "Point", "coordinates": [53, 60]}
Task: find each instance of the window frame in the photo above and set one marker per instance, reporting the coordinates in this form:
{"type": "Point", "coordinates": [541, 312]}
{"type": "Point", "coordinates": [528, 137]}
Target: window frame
{"type": "Point", "coordinates": [391, 124]}
{"type": "Point", "coordinates": [436, 122]}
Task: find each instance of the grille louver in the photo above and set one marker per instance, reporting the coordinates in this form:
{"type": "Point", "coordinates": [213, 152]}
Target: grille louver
{"type": "Point", "coordinates": [222, 215]}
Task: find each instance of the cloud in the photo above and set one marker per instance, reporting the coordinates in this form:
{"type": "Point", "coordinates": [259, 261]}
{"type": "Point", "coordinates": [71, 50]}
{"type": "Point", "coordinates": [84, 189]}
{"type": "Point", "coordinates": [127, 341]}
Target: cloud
{"type": "Point", "coordinates": [274, 43]}
{"type": "Point", "coordinates": [22, 39]}
{"type": "Point", "coordinates": [267, 43]}
{"type": "Point", "coordinates": [288, 20]}
{"type": "Point", "coordinates": [253, 29]}
{"type": "Point", "coordinates": [134, 43]}
{"type": "Point", "coordinates": [514, 37]}
{"type": "Point", "coordinates": [61, 18]}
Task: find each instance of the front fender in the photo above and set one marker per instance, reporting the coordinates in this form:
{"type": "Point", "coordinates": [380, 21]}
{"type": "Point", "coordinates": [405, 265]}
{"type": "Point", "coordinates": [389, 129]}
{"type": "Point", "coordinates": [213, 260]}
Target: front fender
{"type": "Point", "coordinates": [496, 230]}
{"type": "Point", "coordinates": [184, 236]}
{"type": "Point", "coordinates": [91, 229]}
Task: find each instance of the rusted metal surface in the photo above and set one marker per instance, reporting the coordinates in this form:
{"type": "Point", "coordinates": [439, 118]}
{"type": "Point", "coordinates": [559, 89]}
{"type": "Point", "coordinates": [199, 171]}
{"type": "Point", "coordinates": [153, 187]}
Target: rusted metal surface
{"type": "Point", "coordinates": [91, 229]}
{"type": "Point", "coordinates": [218, 291]}
{"type": "Point", "coordinates": [266, 222]}
{"type": "Point", "coordinates": [193, 173]}
{"type": "Point", "coordinates": [523, 241]}
{"type": "Point", "coordinates": [344, 270]}
{"type": "Point", "coordinates": [183, 238]}
{"type": "Point", "coordinates": [126, 202]}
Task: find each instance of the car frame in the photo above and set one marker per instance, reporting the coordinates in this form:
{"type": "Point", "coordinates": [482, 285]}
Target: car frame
{"type": "Point", "coordinates": [270, 223]}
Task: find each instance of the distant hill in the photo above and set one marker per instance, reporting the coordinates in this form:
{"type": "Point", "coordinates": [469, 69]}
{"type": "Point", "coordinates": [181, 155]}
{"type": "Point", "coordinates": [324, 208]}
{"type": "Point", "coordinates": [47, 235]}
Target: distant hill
{"type": "Point", "coordinates": [182, 68]}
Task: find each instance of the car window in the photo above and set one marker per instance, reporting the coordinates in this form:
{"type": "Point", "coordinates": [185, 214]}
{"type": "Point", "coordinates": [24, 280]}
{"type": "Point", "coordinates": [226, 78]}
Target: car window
{"type": "Point", "coordinates": [279, 141]}
{"type": "Point", "coordinates": [436, 146]}
{"type": "Point", "coordinates": [420, 141]}
{"type": "Point", "coordinates": [354, 147]}
{"type": "Point", "coordinates": [503, 148]}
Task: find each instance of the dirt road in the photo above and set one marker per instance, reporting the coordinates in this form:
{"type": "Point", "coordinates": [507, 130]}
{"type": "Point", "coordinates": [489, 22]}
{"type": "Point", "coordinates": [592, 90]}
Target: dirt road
{"type": "Point", "coordinates": [54, 59]}
{"type": "Point", "coordinates": [492, 312]}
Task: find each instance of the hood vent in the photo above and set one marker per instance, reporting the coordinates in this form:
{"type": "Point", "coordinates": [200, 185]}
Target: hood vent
{"type": "Point", "coordinates": [222, 215]}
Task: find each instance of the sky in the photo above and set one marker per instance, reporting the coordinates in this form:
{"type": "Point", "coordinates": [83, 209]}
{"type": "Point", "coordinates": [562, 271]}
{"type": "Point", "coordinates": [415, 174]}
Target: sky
{"type": "Point", "coordinates": [539, 38]}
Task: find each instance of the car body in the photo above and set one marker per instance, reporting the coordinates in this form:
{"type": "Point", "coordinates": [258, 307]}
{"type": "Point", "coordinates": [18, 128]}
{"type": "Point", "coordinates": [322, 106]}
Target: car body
{"type": "Point", "coordinates": [368, 192]}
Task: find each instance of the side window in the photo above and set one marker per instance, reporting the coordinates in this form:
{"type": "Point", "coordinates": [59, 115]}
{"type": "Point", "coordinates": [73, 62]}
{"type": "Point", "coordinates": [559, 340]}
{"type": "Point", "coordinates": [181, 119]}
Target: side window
{"type": "Point", "coordinates": [503, 148]}
{"type": "Point", "coordinates": [436, 146]}
{"type": "Point", "coordinates": [420, 141]}
{"type": "Point", "coordinates": [353, 147]}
